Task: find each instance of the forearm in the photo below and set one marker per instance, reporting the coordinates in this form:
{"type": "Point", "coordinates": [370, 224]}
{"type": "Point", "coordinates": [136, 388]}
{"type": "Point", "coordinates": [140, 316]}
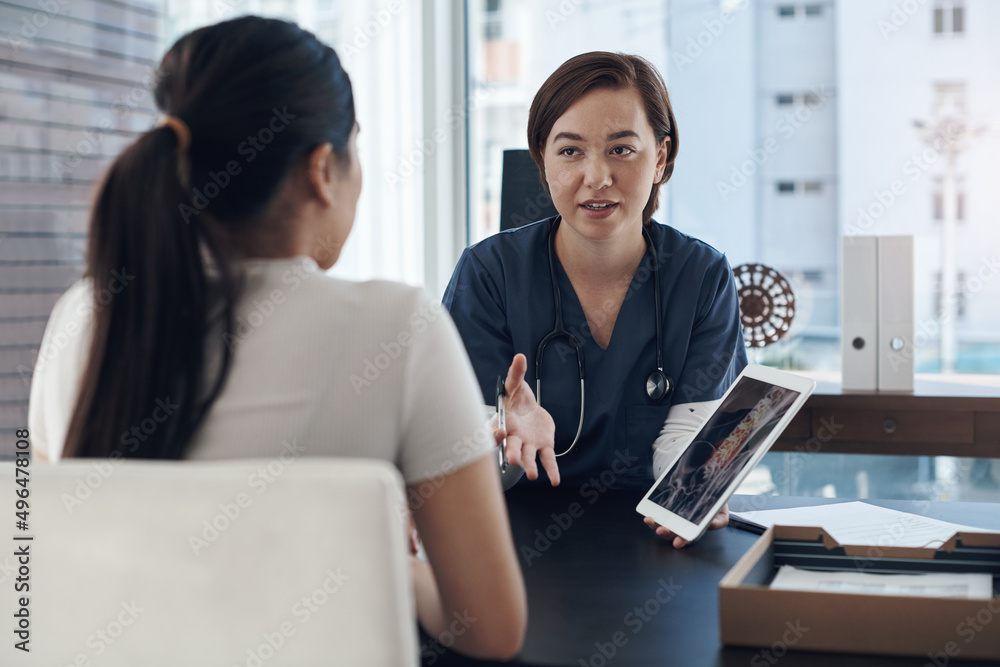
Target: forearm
{"type": "Point", "coordinates": [438, 621]}
{"type": "Point", "coordinates": [430, 612]}
{"type": "Point", "coordinates": [471, 588]}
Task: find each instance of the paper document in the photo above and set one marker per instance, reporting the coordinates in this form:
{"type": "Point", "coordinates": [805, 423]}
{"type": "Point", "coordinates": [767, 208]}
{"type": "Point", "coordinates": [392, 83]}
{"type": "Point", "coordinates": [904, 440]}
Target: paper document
{"type": "Point", "coordinates": [973, 586]}
{"type": "Point", "coordinates": [863, 524]}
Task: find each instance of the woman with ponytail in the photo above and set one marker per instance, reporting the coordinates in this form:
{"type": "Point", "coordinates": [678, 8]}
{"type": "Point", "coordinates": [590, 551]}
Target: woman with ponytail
{"type": "Point", "coordinates": [205, 327]}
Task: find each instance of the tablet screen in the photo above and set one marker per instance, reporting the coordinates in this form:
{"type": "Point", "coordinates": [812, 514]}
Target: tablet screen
{"type": "Point", "coordinates": [722, 448]}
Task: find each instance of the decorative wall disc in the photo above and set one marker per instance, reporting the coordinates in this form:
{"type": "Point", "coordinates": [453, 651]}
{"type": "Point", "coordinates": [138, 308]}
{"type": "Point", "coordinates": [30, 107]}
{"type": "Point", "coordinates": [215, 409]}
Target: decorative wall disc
{"type": "Point", "coordinates": [767, 304]}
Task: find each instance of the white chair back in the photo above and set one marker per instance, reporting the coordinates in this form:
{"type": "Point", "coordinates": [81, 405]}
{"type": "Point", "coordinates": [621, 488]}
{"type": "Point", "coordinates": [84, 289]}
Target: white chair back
{"type": "Point", "coordinates": [250, 563]}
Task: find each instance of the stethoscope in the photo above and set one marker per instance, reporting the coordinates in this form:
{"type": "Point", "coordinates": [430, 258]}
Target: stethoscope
{"type": "Point", "coordinates": [658, 384]}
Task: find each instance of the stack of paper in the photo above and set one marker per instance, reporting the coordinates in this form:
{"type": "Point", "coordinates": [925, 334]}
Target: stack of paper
{"type": "Point", "coordinates": [861, 524]}
{"type": "Point", "coordinates": [973, 586]}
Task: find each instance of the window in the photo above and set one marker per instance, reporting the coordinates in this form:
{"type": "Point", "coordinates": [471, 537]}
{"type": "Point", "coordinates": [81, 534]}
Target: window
{"type": "Point", "coordinates": [949, 100]}
{"type": "Point", "coordinates": [807, 99]}
{"type": "Point", "coordinates": [960, 298]}
{"type": "Point", "coordinates": [958, 19]}
{"type": "Point", "coordinates": [383, 59]}
{"type": "Point", "coordinates": [939, 206]}
{"type": "Point", "coordinates": [813, 275]}
{"type": "Point", "coordinates": [823, 175]}
{"type": "Point", "coordinates": [949, 17]}
{"type": "Point", "coordinates": [793, 11]}
{"type": "Point", "coordinates": [811, 100]}
{"type": "Point", "coordinates": [493, 20]}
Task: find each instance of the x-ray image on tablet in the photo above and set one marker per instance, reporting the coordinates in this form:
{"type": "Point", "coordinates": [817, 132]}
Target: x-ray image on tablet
{"type": "Point", "coordinates": [722, 448]}
{"type": "Point", "coordinates": [747, 421]}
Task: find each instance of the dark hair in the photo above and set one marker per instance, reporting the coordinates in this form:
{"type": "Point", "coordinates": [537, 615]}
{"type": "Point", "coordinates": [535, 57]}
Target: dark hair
{"type": "Point", "coordinates": [257, 95]}
{"type": "Point", "coordinates": [595, 70]}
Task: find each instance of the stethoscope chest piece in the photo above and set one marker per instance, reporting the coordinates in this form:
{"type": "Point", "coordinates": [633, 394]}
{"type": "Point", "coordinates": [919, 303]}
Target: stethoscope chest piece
{"type": "Point", "coordinates": [658, 385]}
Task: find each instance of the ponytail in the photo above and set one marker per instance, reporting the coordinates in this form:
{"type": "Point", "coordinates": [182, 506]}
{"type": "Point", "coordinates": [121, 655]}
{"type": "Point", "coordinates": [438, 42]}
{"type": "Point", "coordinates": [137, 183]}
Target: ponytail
{"type": "Point", "coordinates": [140, 396]}
{"type": "Point", "coordinates": [146, 387]}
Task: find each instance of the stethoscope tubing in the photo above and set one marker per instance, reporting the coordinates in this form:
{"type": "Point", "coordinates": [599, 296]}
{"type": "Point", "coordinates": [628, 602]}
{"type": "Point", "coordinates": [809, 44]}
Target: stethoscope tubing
{"type": "Point", "coordinates": [559, 330]}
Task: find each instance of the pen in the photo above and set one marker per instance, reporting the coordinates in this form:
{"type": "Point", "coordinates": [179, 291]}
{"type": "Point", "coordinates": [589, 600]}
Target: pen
{"type": "Point", "coordinates": [502, 419]}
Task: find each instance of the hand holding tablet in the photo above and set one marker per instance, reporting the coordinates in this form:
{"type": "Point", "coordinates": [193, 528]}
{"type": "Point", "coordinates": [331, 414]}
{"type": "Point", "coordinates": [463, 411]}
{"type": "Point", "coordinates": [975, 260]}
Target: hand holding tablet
{"type": "Point", "coordinates": [753, 412]}
{"type": "Point", "coordinates": [721, 520]}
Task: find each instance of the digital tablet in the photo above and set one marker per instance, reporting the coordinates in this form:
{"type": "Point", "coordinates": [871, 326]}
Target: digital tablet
{"type": "Point", "coordinates": [749, 418]}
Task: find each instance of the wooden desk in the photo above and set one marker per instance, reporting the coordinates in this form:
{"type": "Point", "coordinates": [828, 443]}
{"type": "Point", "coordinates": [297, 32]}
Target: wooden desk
{"type": "Point", "coordinates": [939, 418]}
{"type": "Point", "coordinates": [603, 572]}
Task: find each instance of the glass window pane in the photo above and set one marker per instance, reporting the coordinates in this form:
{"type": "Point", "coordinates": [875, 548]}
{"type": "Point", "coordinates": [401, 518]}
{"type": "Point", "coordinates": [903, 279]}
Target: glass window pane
{"type": "Point", "coordinates": [383, 61]}
{"type": "Point", "coordinates": [770, 100]}
{"type": "Point", "coordinates": [813, 276]}
{"type": "Point", "coordinates": [958, 19]}
{"type": "Point", "coordinates": [860, 476]}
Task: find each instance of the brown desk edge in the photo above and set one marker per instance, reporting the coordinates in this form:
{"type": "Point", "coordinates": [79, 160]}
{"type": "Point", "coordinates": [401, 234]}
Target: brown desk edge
{"type": "Point", "coordinates": [937, 419]}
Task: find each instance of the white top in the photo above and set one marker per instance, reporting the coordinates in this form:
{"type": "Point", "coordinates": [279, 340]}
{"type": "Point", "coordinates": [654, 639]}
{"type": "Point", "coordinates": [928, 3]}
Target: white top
{"type": "Point", "coordinates": [321, 367]}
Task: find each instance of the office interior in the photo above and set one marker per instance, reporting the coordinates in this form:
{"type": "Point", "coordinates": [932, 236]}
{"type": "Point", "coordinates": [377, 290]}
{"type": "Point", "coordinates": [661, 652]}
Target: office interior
{"type": "Point", "coordinates": [802, 124]}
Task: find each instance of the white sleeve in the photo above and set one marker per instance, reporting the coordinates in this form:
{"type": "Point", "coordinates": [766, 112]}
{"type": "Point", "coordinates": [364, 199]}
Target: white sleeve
{"type": "Point", "coordinates": [58, 370]}
{"type": "Point", "coordinates": [682, 422]}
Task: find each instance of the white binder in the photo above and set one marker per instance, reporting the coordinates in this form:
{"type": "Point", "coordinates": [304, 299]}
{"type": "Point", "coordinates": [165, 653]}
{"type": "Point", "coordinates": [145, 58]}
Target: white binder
{"type": "Point", "coordinates": [876, 313]}
{"type": "Point", "coordinates": [895, 313]}
{"type": "Point", "coordinates": [859, 312]}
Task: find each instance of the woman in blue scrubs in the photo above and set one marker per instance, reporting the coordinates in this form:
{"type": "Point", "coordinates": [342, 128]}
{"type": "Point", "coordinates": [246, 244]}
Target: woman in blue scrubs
{"type": "Point", "coordinates": [603, 135]}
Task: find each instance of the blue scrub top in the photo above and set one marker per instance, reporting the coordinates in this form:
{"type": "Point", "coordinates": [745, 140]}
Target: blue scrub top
{"type": "Point", "coordinates": [500, 297]}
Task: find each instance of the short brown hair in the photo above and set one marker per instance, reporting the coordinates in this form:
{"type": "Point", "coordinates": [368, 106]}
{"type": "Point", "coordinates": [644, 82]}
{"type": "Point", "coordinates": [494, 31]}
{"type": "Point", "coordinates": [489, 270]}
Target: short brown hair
{"type": "Point", "coordinates": [600, 69]}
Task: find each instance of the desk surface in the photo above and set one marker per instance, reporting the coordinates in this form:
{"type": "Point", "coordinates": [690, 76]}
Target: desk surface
{"type": "Point", "coordinates": [587, 574]}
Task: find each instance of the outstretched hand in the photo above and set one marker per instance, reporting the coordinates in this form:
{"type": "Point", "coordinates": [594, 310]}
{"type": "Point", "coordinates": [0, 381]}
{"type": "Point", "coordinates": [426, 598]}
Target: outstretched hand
{"type": "Point", "coordinates": [721, 520]}
{"type": "Point", "coordinates": [530, 430]}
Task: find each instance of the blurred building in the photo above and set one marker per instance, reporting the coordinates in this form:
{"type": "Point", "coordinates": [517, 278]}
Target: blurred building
{"type": "Point", "coordinates": [827, 95]}
{"type": "Point", "coordinates": [795, 121]}
{"type": "Point", "coordinates": [932, 63]}
{"type": "Point", "coordinates": [754, 86]}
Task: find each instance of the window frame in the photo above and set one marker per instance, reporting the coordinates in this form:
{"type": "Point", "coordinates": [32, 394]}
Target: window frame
{"type": "Point", "coordinates": [444, 45]}
{"type": "Point", "coordinates": [943, 15]}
